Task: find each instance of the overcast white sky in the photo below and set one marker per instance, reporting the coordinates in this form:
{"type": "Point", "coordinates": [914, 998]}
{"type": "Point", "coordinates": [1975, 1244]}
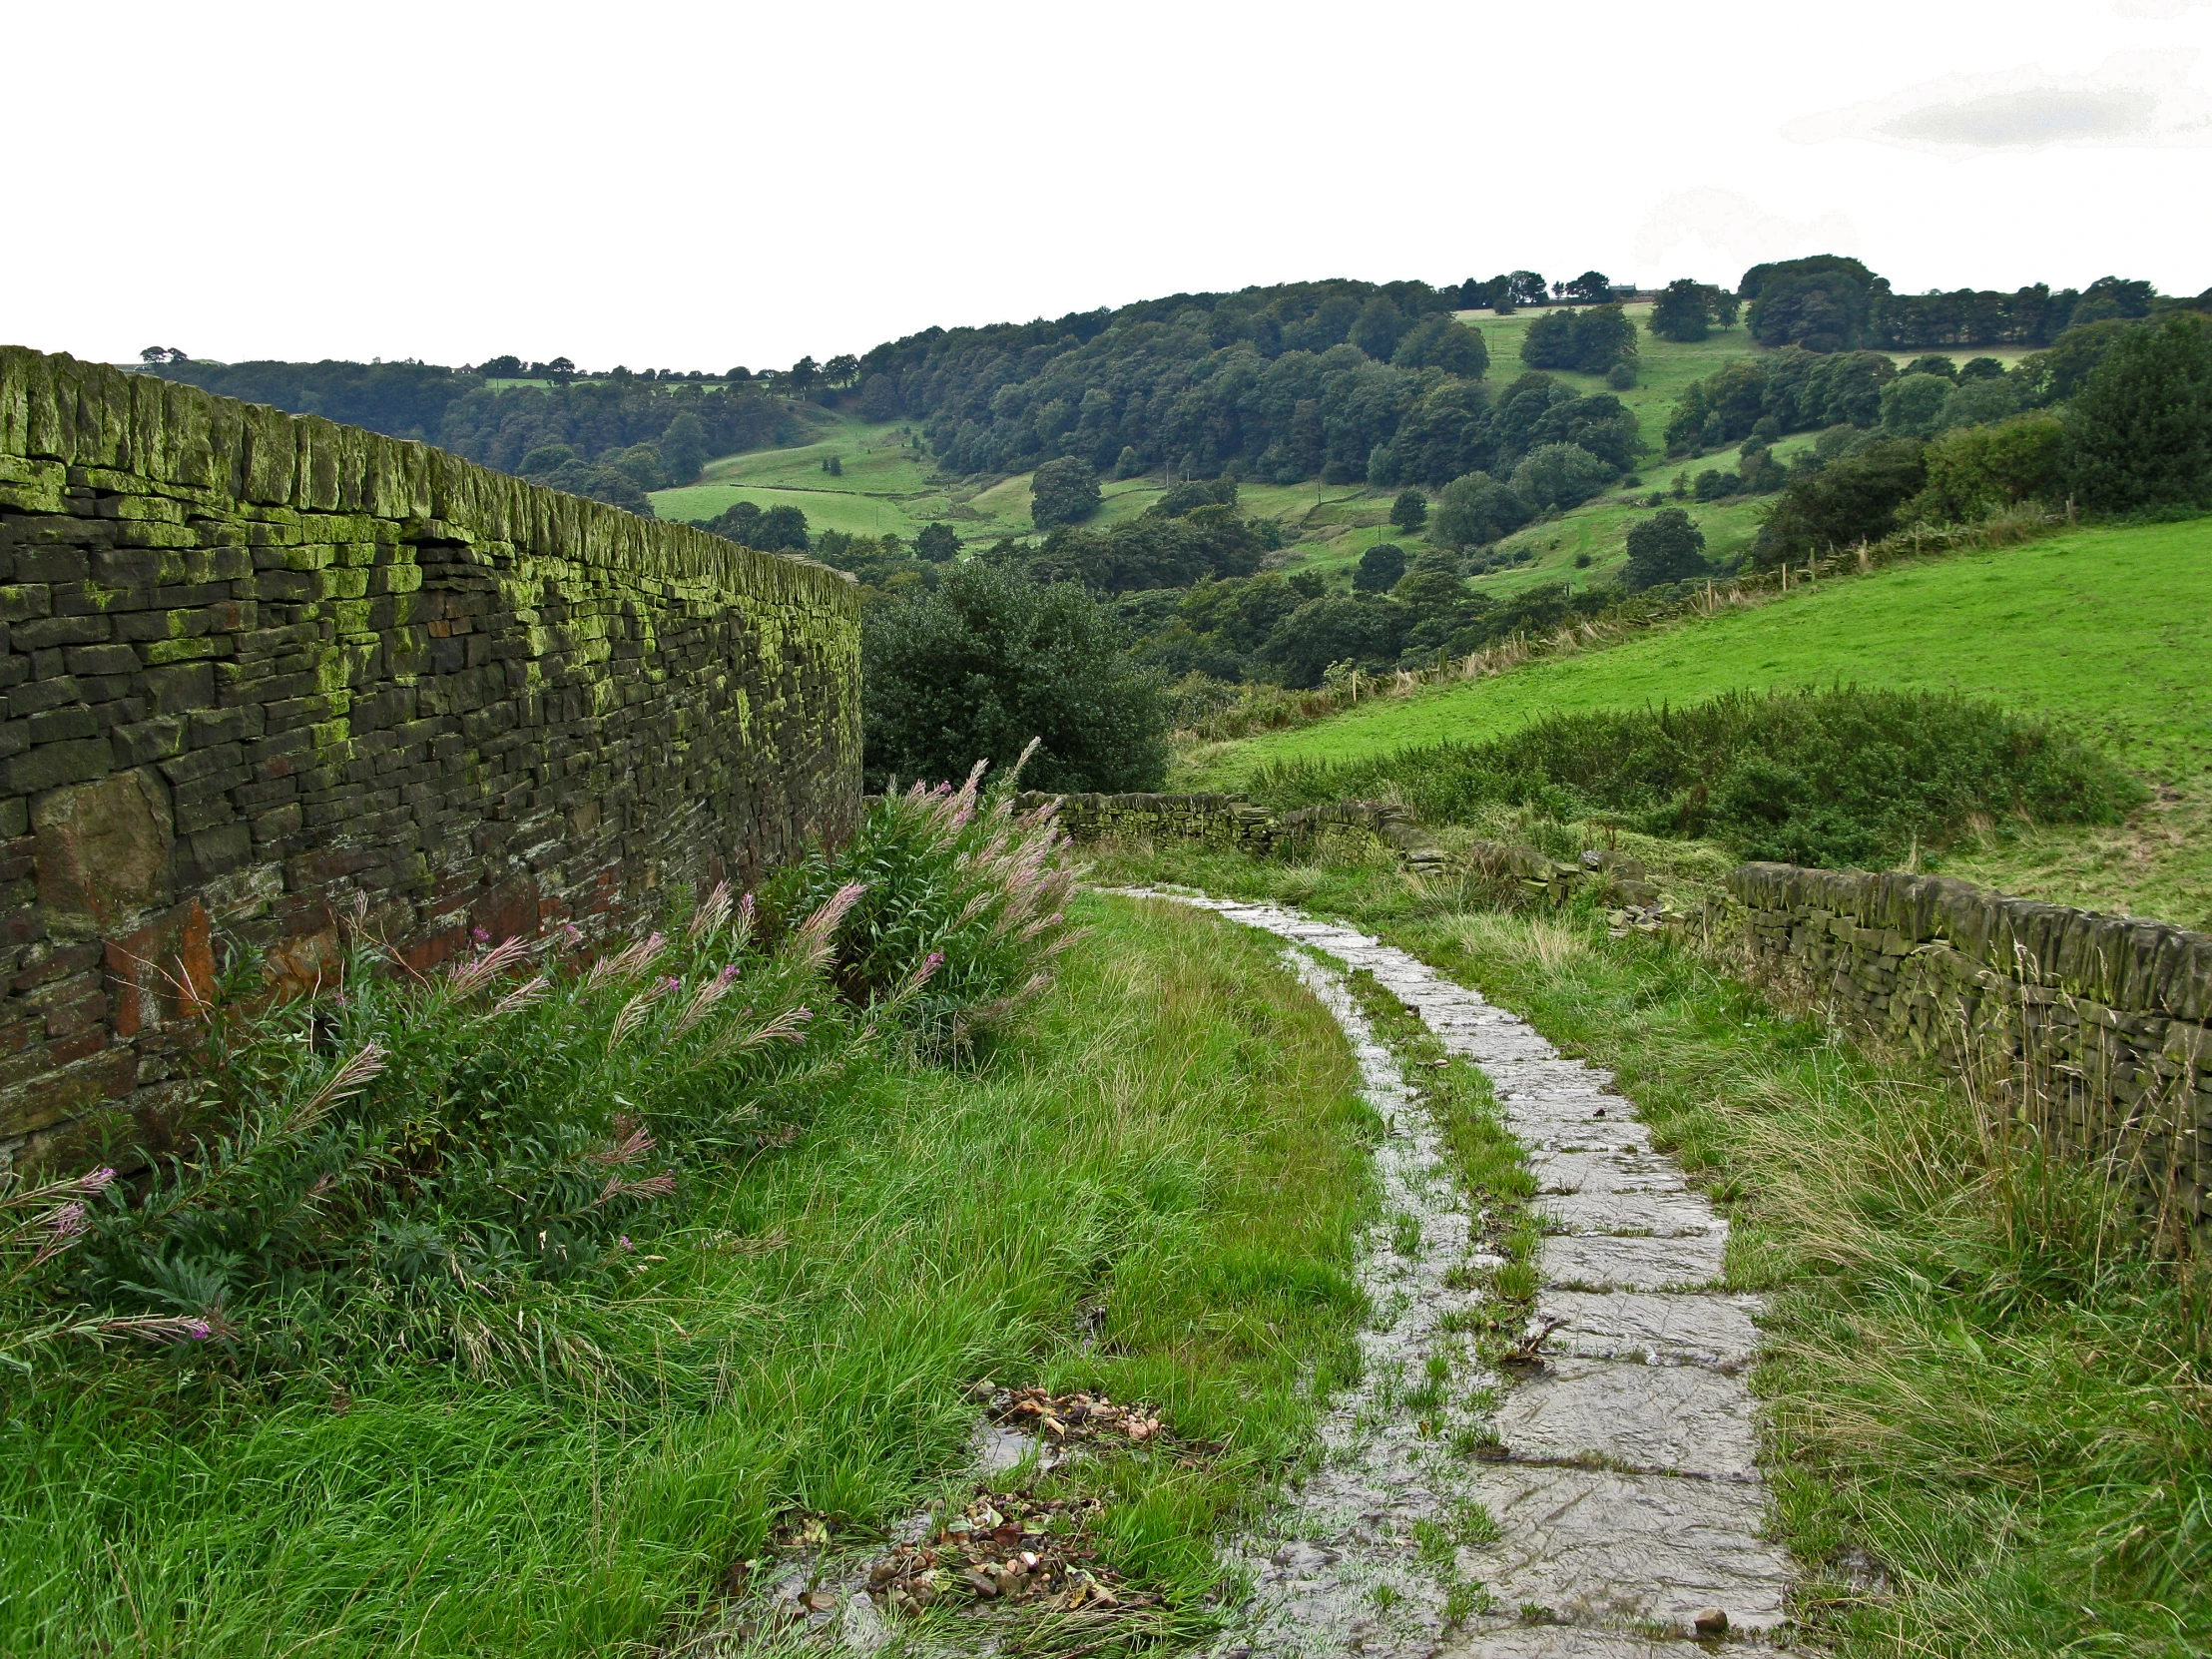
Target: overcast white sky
{"type": "Point", "coordinates": [694, 186]}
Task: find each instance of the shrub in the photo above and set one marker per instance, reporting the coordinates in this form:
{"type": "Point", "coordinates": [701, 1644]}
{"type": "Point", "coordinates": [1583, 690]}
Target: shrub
{"type": "Point", "coordinates": [1063, 492]}
{"type": "Point", "coordinates": [959, 908]}
{"type": "Point", "coordinates": [1852, 498]}
{"type": "Point", "coordinates": [685, 448]}
{"type": "Point", "coordinates": [1912, 404]}
{"type": "Point", "coordinates": [1475, 509]}
{"type": "Point", "coordinates": [1977, 469]}
{"type": "Point", "coordinates": [1844, 777]}
{"type": "Point", "coordinates": [988, 661]}
{"type": "Point", "coordinates": [2140, 430]}
{"type": "Point", "coordinates": [1666, 547]}
{"type": "Point", "coordinates": [1192, 494]}
{"type": "Point", "coordinates": [1590, 340]}
{"type": "Point", "coordinates": [1560, 475]}
{"type": "Point", "coordinates": [1379, 568]}
{"type": "Point", "coordinates": [1443, 342]}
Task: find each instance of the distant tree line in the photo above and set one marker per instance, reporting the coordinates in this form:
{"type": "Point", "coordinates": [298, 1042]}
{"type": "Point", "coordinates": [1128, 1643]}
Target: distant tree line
{"type": "Point", "coordinates": [610, 437]}
{"type": "Point", "coordinates": [1829, 302]}
{"type": "Point", "coordinates": [2122, 423]}
{"type": "Point", "coordinates": [1280, 384]}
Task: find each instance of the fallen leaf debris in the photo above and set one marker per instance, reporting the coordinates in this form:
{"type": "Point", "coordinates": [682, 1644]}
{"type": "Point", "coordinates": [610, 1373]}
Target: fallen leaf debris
{"type": "Point", "coordinates": [1006, 1548]}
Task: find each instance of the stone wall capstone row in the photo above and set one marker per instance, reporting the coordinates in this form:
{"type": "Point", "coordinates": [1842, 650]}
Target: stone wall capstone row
{"type": "Point", "coordinates": [263, 672]}
{"type": "Point", "coordinates": [2100, 1025]}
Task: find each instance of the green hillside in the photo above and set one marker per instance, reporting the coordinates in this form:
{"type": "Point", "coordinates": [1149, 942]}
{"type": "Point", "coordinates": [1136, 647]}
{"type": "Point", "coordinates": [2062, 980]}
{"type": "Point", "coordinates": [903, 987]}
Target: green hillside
{"type": "Point", "coordinates": [2106, 630]}
{"type": "Point", "coordinates": [889, 487]}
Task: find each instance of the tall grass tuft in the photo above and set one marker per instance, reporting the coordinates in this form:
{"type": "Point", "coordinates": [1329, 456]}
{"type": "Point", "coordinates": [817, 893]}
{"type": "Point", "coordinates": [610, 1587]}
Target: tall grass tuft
{"type": "Point", "coordinates": [438, 1165]}
{"type": "Point", "coordinates": [959, 908]}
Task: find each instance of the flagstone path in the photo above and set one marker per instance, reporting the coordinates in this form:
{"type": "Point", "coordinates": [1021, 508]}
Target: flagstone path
{"type": "Point", "coordinates": [1621, 1478]}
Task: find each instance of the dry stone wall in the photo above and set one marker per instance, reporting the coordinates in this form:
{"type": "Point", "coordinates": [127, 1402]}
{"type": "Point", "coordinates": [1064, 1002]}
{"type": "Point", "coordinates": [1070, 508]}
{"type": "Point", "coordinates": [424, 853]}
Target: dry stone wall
{"type": "Point", "coordinates": [263, 671]}
{"type": "Point", "coordinates": [2098, 1024]}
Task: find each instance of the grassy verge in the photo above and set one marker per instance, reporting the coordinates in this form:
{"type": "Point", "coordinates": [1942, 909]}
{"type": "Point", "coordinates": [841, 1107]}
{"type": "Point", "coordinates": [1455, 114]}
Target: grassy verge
{"type": "Point", "coordinates": [1489, 1165]}
{"type": "Point", "coordinates": [1988, 1406]}
{"type": "Point", "coordinates": [1153, 1189]}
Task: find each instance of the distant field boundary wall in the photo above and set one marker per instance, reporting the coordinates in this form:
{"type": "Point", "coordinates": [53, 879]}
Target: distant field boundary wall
{"type": "Point", "coordinates": [264, 673]}
{"type": "Point", "coordinates": [2097, 1024]}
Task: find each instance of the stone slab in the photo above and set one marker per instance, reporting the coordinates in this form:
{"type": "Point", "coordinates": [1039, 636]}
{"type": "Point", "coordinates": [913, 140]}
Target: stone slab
{"type": "Point", "coordinates": [1563, 1641]}
{"type": "Point", "coordinates": [1663, 1214]}
{"type": "Point", "coordinates": [1713, 1330]}
{"type": "Point", "coordinates": [1605, 1172]}
{"type": "Point", "coordinates": [1681, 1420]}
{"type": "Point", "coordinates": [1601, 1261]}
{"type": "Point", "coordinates": [1602, 1135]}
{"type": "Point", "coordinates": [1599, 1549]}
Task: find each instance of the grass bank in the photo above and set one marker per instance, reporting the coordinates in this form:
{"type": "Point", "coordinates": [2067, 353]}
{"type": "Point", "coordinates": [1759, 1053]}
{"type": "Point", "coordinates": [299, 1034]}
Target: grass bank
{"type": "Point", "coordinates": [2106, 630]}
{"type": "Point", "coordinates": [1151, 1188]}
{"type": "Point", "coordinates": [1989, 1408]}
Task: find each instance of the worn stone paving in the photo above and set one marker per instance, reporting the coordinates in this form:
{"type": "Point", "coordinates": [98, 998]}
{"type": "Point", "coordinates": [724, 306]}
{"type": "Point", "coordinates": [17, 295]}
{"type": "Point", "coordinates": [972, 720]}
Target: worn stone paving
{"type": "Point", "coordinates": [1625, 1493]}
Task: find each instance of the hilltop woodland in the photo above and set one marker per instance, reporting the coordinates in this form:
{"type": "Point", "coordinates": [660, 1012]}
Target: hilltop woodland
{"type": "Point", "coordinates": [2105, 407]}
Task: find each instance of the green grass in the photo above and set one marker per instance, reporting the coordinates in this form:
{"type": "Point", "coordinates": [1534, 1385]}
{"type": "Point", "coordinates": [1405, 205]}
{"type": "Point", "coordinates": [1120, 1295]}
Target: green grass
{"type": "Point", "coordinates": [1977, 1380]}
{"type": "Point", "coordinates": [1176, 1143]}
{"type": "Point", "coordinates": [2109, 631]}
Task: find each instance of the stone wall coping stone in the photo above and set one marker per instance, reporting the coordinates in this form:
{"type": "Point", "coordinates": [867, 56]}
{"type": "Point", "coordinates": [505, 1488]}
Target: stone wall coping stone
{"type": "Point", "coordinates": [143, 428]}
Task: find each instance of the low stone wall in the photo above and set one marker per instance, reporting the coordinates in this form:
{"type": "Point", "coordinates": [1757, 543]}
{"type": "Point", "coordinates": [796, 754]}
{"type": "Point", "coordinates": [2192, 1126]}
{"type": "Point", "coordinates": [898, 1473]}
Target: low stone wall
{"type": "Point", "coordinates": [2099, 1023]}
{"type": "Point", "coordinates": [260, 670]}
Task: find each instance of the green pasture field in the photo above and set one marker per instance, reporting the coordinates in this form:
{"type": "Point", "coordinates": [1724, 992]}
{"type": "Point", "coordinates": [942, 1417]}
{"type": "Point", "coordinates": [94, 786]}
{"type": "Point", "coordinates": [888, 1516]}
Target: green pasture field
{"type": "Point", "coordinates": [2108, 629]}
{"type": "Point", "coordinates": [1153, 1190]}
{"type": "Point", "coordinates": [884, 488]}
{"type": "Point", "coordinates": [826, 509]}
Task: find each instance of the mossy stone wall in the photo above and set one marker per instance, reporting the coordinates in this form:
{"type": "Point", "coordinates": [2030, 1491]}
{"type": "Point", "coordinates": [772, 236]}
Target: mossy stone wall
{"type": "Point", "coordinates": [2100, 1026]}
{"type": "Point", "coordinates": [263, 671]}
